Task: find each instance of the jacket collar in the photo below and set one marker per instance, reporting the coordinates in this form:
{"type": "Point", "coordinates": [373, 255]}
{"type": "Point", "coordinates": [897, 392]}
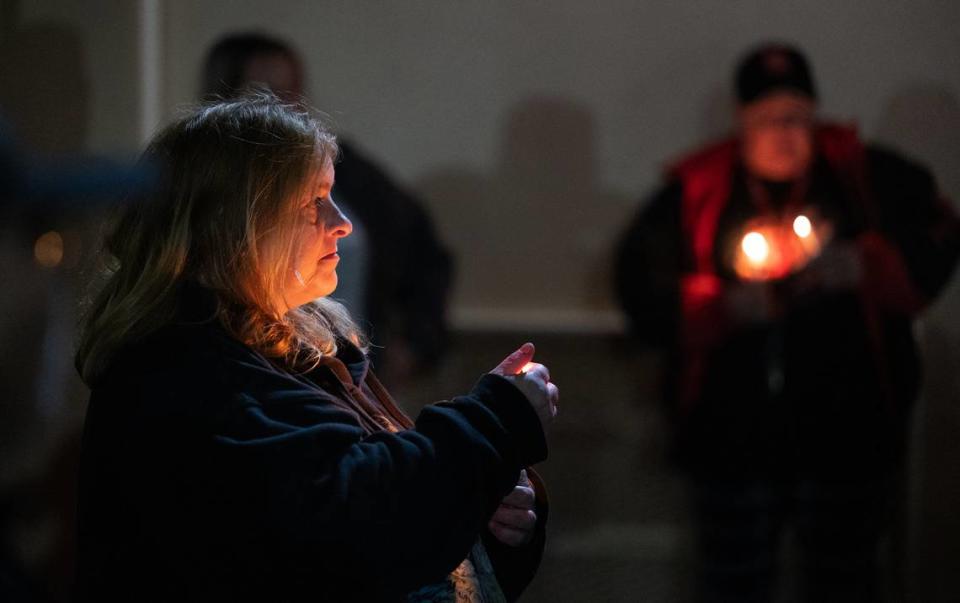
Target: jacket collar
{"type": "Point", "coordinates": [350, 365]}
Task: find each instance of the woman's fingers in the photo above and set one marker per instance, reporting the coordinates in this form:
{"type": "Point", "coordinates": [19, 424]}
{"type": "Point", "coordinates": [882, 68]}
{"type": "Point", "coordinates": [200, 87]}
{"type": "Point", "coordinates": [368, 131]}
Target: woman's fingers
{"type": "Point", "coordinates": [538, 390]}
{"type": "Point", "coordinates": [512, 364]}
{"type": "Point", "coordinates": [531, 378]}
{"type": "Point", "coordinates": [515, 525]}
{"type": "Point", "coordinates": [518, 519]}
{"type": "Point", "coordinates": [553, 394]}
{"type": "Point", "coordinates": [522, 497]}
{"type": "Point", "coordinates": [509, 535]}
{"type": "Point", "coordinates": [537, 371]}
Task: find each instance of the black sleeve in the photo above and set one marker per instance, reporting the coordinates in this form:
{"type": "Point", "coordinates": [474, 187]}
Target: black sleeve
{"type": "Point", "coordinates": [648, 269]}
{"type": "Point", "coordinates": [409, 504]}
{"type": "Point", "coordinates": [916, 219]}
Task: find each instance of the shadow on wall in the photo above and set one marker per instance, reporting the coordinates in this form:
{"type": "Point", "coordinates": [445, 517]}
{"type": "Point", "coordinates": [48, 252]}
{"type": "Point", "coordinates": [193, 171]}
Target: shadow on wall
{"type": "Point", "coordinates": [923, 120]}
{"type": "Point", "coordinates": [534, 235]}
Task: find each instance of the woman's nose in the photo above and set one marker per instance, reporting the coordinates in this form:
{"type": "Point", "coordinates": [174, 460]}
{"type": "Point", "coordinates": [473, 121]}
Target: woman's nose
{"type": "Point", "coordinates": [339, 224]}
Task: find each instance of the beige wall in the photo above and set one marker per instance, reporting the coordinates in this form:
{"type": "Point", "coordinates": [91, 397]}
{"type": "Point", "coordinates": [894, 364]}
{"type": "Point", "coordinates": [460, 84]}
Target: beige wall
{"type": "Point", "coordinates": [533, 128]}
{"type": "Point", "coordinates": [79, 77]}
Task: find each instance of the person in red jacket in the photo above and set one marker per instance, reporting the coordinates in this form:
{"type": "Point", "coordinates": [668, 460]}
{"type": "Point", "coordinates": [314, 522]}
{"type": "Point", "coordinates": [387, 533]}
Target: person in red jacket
{"type": "Point", "coordinates": [781, 270]}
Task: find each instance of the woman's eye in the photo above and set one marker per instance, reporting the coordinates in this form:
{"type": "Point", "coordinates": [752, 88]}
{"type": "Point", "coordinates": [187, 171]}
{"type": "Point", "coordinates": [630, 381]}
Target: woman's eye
{"type": "Point", "coordinates": [318, 208]}
{"type": "Point", "coordinates": [323, 203]}
{"type": "Point", "coordinates": [311, 211]}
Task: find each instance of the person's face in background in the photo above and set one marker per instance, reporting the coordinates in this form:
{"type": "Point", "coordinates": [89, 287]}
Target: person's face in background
{"type": "Point", "coordinates": [777, 135]}
{"type": "Point", "coordinates": [320, 225]}
{"type": "Point", "coordinates": [278, 72]}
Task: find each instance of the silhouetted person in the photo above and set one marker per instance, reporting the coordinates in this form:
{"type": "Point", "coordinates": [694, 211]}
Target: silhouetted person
{"type": "Point", "coordinates": [781, 270]}
{"type": "Point", "coordinates": [399, 272]}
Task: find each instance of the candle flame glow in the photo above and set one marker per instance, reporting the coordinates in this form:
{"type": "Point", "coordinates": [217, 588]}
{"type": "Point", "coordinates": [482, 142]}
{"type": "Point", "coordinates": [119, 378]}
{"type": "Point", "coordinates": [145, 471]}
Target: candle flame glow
{"type": "Point", "coordinates": [526, 367]}
{"type": "Point", "coordinates": [755, 247]}
{"type": "Point", "coordinates": [802, 226]}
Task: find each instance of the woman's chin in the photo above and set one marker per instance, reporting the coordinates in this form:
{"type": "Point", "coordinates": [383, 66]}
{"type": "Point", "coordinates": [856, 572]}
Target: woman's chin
{"type": "Point", "coordinates": [326, 288]}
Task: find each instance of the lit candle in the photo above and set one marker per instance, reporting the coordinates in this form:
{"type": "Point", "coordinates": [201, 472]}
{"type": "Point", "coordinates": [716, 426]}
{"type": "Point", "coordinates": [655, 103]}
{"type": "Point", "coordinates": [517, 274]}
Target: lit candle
{"type": "Point", "coordinates": [755, 247]}
{"type": "Point", "coordinates": [526, 367]}
{"type": "Point", "coordinates": [808, 240]}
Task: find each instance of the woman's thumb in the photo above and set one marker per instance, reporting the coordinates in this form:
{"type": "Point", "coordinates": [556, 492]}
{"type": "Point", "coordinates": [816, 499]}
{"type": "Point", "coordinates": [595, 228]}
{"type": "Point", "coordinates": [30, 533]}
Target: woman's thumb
{"type": "Point", "coordinates": [512, 364]}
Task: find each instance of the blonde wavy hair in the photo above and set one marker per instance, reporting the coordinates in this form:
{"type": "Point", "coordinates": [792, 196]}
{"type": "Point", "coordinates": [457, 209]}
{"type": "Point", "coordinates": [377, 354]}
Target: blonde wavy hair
{"type": "Point", "coordinates": [230, 174]}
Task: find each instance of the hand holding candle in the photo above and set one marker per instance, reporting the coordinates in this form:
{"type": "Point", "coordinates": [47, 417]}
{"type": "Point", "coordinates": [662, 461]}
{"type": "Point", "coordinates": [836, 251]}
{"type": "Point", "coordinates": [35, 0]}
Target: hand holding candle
{"type": "Point", "coordinates": [773, 249]}
{"type": "Point", "coordinates": [533, 379]}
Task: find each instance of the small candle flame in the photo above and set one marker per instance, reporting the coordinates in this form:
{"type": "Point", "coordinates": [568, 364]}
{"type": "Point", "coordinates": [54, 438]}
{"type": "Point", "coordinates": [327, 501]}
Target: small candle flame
{"type": "Point", "coordinates": [755, 247]}
{"type": "Point", "coordinates": [526, 367]}
{"type": "Point", "coordinates": [802, 226]}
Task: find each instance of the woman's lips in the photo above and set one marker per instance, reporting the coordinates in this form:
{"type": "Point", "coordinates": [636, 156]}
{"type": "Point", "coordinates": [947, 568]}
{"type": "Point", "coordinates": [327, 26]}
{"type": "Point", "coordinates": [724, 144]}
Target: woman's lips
{"type": "Point", "coordinates": [330, 257]}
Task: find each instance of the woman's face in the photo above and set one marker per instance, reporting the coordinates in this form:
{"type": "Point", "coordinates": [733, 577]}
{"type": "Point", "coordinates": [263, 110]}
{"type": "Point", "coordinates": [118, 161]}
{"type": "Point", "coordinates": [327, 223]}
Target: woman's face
{"type": "Point", "coordinates": [320, 225]}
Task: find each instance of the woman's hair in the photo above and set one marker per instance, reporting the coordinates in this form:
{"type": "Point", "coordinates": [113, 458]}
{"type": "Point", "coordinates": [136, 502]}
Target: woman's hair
{"type": "Point", "coordinates": [231, 175]}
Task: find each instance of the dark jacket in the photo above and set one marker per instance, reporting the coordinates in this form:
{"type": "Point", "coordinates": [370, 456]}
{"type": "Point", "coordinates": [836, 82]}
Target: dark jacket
{"type": "Point", "coordinates": [209, 474]}
{"type": "Point", "coordinates": [848, 358]}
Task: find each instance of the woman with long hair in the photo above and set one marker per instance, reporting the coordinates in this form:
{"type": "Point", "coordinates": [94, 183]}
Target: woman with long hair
{"type": "Point", "coordinates": [237, 445]}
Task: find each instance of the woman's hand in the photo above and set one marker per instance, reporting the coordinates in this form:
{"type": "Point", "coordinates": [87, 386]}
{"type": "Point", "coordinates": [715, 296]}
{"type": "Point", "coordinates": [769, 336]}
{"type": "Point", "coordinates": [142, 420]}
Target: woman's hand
{"type": "Point", "coordinates": [533, 380]}
{"type": "Point", "coordinates": [515, 521]}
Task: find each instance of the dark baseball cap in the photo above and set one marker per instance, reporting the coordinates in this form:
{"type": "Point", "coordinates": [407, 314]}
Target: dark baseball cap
{"type": "Point", "coordinates": [773, 67]}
